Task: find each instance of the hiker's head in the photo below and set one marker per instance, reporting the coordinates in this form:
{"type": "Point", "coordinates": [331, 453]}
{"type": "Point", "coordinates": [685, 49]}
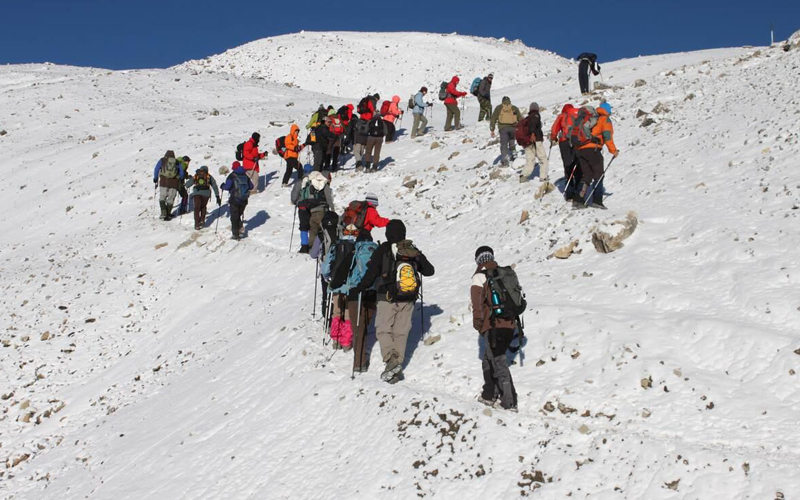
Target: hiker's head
{"type": "Point", "coordinates": [534, 107]}
{"type": "Point", "coordinates": [395, 231]}
{"type": "Point", "coordinates": [483, 255]}
{"type": "Point", "coordinates": [506, 100]}
{"type": "Point", "coordinates": [256, 137]}
{"type": "Point", "coordinates": [372, 199]}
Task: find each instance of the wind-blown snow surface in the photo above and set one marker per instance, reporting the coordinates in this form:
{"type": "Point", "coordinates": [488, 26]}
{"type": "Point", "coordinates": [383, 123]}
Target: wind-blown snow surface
{"type": "Point", "coordinates": [142, 359]}
{"type": "Point", "coordinates": [352, 64]}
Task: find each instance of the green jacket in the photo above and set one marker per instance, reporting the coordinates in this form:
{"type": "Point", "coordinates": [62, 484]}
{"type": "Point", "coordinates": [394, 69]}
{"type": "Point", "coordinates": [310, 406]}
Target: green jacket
{"type": "Point", "coordinates": [496, 117]}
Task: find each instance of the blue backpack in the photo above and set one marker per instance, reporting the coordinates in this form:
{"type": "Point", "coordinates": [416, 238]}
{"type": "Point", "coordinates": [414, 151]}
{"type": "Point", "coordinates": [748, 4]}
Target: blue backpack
{"type": "Point", "coordinates": [364, 251]}
{"type": "Point", "coordinates": [240, 190]}
{"type": "Point", "coordinates": [473, 89]}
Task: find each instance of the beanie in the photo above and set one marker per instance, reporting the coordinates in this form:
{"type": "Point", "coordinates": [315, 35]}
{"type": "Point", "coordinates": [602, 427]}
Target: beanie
{"type": "Point", "coordinates": [483, 255]}
{"type": "Point", "coordinates": [534, 106]}
{"type": "Point", "coordinates": [606, 106]}
{"type": "Point", "coordinates": [186, 159]}
{"type": "Point", "coordinates": [377, 96]}
{"type": "Point", "coordinates": [490, 76]}
{"type": "Point", "coordinates": [506, 99]}
{"type": "Point", "coordinates": [256, 136]}
{"type": "Point", "coordinates": [395, 231]}
{"type": "Point", "coordinates": [372, 198]}
{"type": "Point", "coordinates": [423, 89]}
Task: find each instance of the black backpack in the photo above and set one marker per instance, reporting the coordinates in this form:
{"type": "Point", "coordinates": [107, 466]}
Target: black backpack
{"type": "Point", "coordinates": [342, 262]}
{"type": "Point", "coordinates": [377, 127]}
{"type": "Point", "coordinates": [507, 297]}
{"type": "Point", "coordinates": [363, 106]}
{"type": "Point", "coordinates": [362, 126]}
{"type": "Point", "coordinates": [240, 152]}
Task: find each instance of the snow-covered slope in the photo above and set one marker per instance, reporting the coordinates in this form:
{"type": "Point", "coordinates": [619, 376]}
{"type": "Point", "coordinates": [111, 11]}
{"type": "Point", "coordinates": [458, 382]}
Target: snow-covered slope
{"type": "Point", "coordinates": [351, 64]}
{"type": "Point", "coordinates": [142, 359]}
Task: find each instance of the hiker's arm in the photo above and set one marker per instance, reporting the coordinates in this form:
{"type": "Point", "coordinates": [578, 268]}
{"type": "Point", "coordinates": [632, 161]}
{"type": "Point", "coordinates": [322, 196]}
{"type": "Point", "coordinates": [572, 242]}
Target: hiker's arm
{"type": "Point", "coordinates": [295, 194]}
{"type": "Point", "coordinates": [424, 265]}
{"type": "Point", "coordinates": [376, 220]}
{"type": "Point", "coordinates": [519, 115]}
{"type": "Point", "coordinates": [214, 186]}
{"type": "Point", "coordinates": [476, 297]}
{"type": "Point", "coordinates": [556, 128]}
{"type": "Point", "coordinates": [329, 198]}
{"type": "Point", "coordinates": [493, 120]}
{"type": "Point", "coordinates": [156, 171]}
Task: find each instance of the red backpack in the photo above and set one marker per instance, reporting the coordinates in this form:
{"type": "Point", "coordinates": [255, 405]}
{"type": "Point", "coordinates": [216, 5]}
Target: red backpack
{"type": "Point", "coordinates": [521, 133]}
{"type": "Point", "coordinates": [355, 214]}
{"type": "Point", "coordinates": [280, 146]}
{"type": "Point", "coordinates": [385, 108]}
{"type": "Point", "coordinates": [580, 132]}
{"type": "Point", "coordinates": [336, 127]}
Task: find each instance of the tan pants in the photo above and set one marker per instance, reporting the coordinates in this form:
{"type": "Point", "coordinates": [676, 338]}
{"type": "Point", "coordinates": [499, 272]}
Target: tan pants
{"type": "Point", "coordinates": [373, 151]}
{"type": "Point", "coordinates": [534, 152]}
{"type": "Point", "coordinates": [392, 326]}
{"type": "Point", "coordinates": [253, 176]}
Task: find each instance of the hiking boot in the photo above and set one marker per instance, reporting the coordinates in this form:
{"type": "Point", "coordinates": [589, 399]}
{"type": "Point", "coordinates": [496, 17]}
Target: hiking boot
{"type": "Point", "coordinates": [304, 249]}
{"type": "Point", "coordinates": [523, 179]}
{"type": "Point", "coordinates": [487, 402]}
{"type": "Point", "coordinates": [512, 409]}
{"type": "Point", "coordinates": [504, 164]}
{"type": "Point", "coordinates": [285, 184]}
{"type": "Point", "coordinates": [347, 348]}
{"type": "Point", "coordinates": [392, 369]}
{"type": "Point", "coordinates": [598, 205]}
{"type": "Point", "coordinates": [197, 228]}
{"type": "Point", "coordinates": [235, 237]}
{"type": "Point", "coordinates": [398, 377]}
{"type": "Point", "coordinates": [361, 369]}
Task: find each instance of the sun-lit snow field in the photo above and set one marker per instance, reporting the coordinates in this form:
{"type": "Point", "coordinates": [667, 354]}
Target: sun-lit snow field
{"type": "Point", "coordinates": [144, 360]}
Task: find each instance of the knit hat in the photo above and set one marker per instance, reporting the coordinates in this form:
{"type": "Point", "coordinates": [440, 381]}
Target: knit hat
{"type": "Point", "coordinates": [186, 159]}
{"type": "Point", "coordinates": [395, 231]}
{"type": "Point", "coordinates": [372, 198]}
{"type": "Point", "coordinates": [534, 106]}
{"type": "Point", "coordinates": [506, 99]}
{"type": "Point", "coordinates": [423, 89]}
{"type": "Point", "coordinates": [169, 154]}
{"type": "Point", "coordinates": [256, 136]}
{"type": "Point", "coordinates": [606, 106]}
{"type": "Point", "coordinates": [490, 76]}
{"type": "Point", "coordinates": [377, 96]}
{"type": "Point", "coordinates": [204, 168]}
{"type": "Point", "coordinates": [483, 255]}
{"type": "Point", "coordinates": [331, 112]}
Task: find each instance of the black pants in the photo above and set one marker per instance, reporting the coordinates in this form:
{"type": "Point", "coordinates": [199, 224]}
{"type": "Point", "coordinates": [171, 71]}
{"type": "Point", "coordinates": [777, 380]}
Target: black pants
{"type": "Point", "coordinates": [591, 165]}
{"type": "Point", "coordinates": [497, 381]}
{"type": "Point", "coordinates": [184, 198]}
{"type": "Point", "coordinates": [331, 161]}
{"type": "Point", "coordinates": [237, 216]}
{"type": "Point", "coordinates": [570, 160]}
{"type": "Point", "coordinates": [583, 76]}
{"type": "Point", "coordinates": [319, 158]}
{"type": "Point", "coordinates": [292, 164]}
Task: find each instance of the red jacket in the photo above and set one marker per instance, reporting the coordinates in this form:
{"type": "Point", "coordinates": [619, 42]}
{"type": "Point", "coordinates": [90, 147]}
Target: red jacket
{"type": "Point", "coordinates": [346, 119]}
{"type": "Point", "coordinates": [563, 122]}
{"type": "Point", "coordinates": [251, 155]}
{"type": "Point", "coordinates": [373, 219]}
{"type": "Point", "coordinates": [452, 92]}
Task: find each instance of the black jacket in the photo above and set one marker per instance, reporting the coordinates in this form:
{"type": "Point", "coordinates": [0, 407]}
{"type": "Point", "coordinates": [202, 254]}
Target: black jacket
{"type": "Point", "coordinates": [377, 127]}
{"type": "Point", "coordinates": [324, 135]}
{"type": "Point", "coordinates": [381, 268]}
{"type": "Point", "coordinates": [535, 125]}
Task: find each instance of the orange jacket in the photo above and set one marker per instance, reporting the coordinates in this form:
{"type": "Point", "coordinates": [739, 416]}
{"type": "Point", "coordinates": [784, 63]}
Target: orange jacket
{"type": "Point", "coordinates": [603, 133]}
{"type": "Point", "coordinates": [293, 143]}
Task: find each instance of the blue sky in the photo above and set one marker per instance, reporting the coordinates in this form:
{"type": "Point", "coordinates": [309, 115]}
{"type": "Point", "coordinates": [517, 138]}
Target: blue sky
{"type": "Point", "coordinates": [151, 34]}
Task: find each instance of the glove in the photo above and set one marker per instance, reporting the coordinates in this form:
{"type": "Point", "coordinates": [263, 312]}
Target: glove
{"type": "Point", "coordinates": [155, 181]}
{"type": "Point", "coordinates": [219, 201]}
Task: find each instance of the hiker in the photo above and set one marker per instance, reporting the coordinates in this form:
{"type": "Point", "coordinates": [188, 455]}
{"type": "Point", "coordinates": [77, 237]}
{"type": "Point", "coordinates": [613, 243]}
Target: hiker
{"type": "Point", "coordinates": [590, 156]}
{"type": "Point", "coordinates": [346, 114]}
{"type": "Point", "coordinates": [360, 130]}
{"type": "Point", "coordinates": [420, 122]}
{"type": "Point", "coordinates": [587, 61]}
{"type": "Point", "coordinates": [451, 103]}
{"type": "Point", "coordinates": [336, 128]}
{"type": "Point", "coordinates": [393, 112]}
{"type": "Point", "coordinates": [202, 183]}
{"type": "Point", "coordinates": [291, 154]}
{"type": "Point", "coordinates": [535, 150]}
{"type": "Point", "coordinates": [312, 197]}
{"type": "Point", "coordinates": [376, 130]}
{"type": "Point", "coordinates": [317, 117]}
{"type": "Point", "coordinates": [322, 137]}
{"type": "Point", "coordinates": [560, 133]}
{"type": "Point", "coordinates": [240, 186]}
{"type": "Point", "coordinates": [251, 156]}
{"type": "Point", "coordinates": [168, 175]}
{"type": "Point", "coordinates": [319, 250]}
{"type": "Point", "coordinates": [506, 116]}
{"type": "Point", "coordinates": [368, 106]}
{"type": "Point", "coordinates": [398, 264]}
{"type": "Point", "coordinates": [184, 206]}
{"type": "Point", "coordinates": [484, 95]}
{"type": "Point", "coordinates": [497, 333]}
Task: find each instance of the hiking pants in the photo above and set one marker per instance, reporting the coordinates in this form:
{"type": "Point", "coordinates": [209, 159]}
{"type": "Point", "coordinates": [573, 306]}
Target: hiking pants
{"type": "Point", "coordinates": [358, 151]}
{"type": "Point", "coordinates": [200, 208]}
{"type": "Point", "coordinates": [237, 217]}
{"type": "Point", "coordinates": [570, 161]}
{"type": "Point", "coordinates": [373, 152]}
{"type": "Point", "coordinates": [314, 225]}
{"type": "Point", "coordinates": [486, 109]}
{"type": "Point", "coordinates": [360, 324]}
{"type": "Point", "coordinates": [452, 112]}
{"type": "Point", "coordinates": [535, 151]}
{"type": "Point", "coordinates": [252, 174]}
{"type": "Point", "coordinates": [167, 195]}
{"type": "Point", "coordinates": [392, 326]}
{"type": "Point", "coordinates": [391, 129]}
{"type": "Point", "coordinates": [591, 165]}
{"type": "Point", "coordinates": [507, 141]}
{"type": "Point", "coordinates": [292, 164]}
{"type": "Point", "coordinates": [184, 198]}
{"type": "Point", "coordinates": [418, 127]}
{"type": "Point", "coordinates": [496, 375]}
{"type": "Point", "coordinates": [583, 76]}
{"type": "Point", "coordinates": [319, 158]}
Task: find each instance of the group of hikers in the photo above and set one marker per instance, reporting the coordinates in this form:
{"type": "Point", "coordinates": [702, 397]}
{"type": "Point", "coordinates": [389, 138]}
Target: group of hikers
{"type": "Point", "coordinates": [362, 281]}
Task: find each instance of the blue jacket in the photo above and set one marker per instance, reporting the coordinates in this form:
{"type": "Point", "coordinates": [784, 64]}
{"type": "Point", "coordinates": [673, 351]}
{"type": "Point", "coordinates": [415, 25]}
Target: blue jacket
{"type": "Point", "coordinates": [363, 252]}
{"type": "Point", "coordinates": [229, 182]}
{"type": "Point", "coordinates": [419, 104]}
{"type": "Point", "coordinates": [181, 171]}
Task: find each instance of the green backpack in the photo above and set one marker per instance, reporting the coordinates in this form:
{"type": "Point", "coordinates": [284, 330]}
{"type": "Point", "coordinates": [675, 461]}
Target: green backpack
{"type": "Point", "coordinates": [169, 168]}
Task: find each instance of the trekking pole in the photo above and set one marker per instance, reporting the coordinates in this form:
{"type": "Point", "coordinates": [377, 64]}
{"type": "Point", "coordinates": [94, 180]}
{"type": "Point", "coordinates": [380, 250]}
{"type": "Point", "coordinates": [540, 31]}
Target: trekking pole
{"type": "Point", "coordinates": [355, 339]}
{"type": "Point", "coordinates": [520, 337]}
{"type": "Point", "coordinates": [291, 238]}
{"type": "Point", "coordinates": [422, 313]}
{"type": "Point", "coordinates": [571, 175]}
{"type": "Point", "coordinates": [549, 151]}
{"type": "Point", "coordinates": [328, 316]}
{"type": "Point", "coordinates": [316, 282]}
{"type": "Point", "coordinates": [589, 196]}
{"type": "Point", "coordinates": [219, 212]}
{"type": "Point", "coordinates": [155, 199]}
